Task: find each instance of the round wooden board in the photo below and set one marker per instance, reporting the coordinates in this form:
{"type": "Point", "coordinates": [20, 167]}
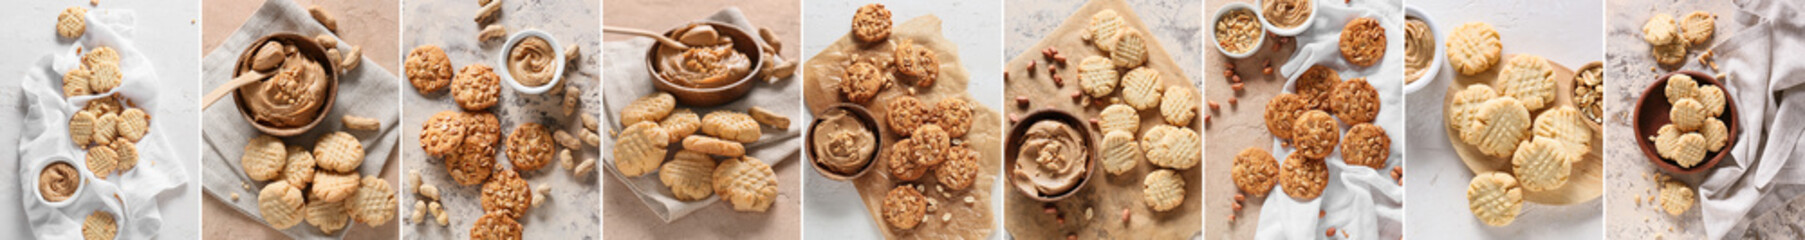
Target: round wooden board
{"type": "Point", "coordinates": [1585, 183]}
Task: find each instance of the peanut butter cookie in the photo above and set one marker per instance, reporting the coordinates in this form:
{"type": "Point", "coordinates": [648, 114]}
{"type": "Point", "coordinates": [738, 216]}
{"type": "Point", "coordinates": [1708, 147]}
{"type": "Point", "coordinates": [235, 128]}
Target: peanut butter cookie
{"type": "Point", "coordinates": [332, 186]}
{"type": "Point", "coordinates": [374, 202]}
{"type": "Point", "coordinates": [1141, 88]}
{"type": "Point", "coordinates": [442, 133]}
{"type": "Point", "coordinates": [1529, 79]}
{"type": "Point", "coordinates": [1317, 134]}
{"type": "Point", "coordinates": [731, 125]}
{"type": "Point", "coordinates": [495, 226]}
{"type": "Point", "coordinates": [1175, 147]}
{"type": "Point", "coordinates": [959, 170]}
{"type": "Point", "coordinates": [470, 166]}
{"type": "Point", "coordinates": [1179, 105]}
{"type": "Point", "coordinates": [1366, 145]}
{"type": "Point", "coordinates": [1696, 27]}
{"type": "Point", "coordinates": [641, 149]}
{"type": "Point", "coordinates": [1121, 152]}
{"type": "Point", "coordinates": [1466, 106]}
{"type": "Point", "coordinates": [1303, 177]}
{"type": "Point", "coordinates": [1355, 101]}
{"type": "Point", "coordinates": [1363, 42]}
{"type": "Point", "coordinates": [1495, 198]}
{"type": "Point", "coordinates": [1097, 76]}
{"type": "Point", "coordinates": [916, 63]}
{"type": "Point", "coordinates": [1473, 48]}
{"type": "Point", "coordinates": [1130, 50]}
{"type": "Point", "coordinates": [747, 183]}
{"type": "Point", "coordinates": [1163, 190]}
{"type": "Point", "coordinates": [955, 116]}
{"type": "Point", "coordinates": [328, 216]}
{"type": "Point", "coordinates": [904, 207]}
{"type": "Point", "coordinates": [134, 123]}
{"type": "Point", "coordinates": [99, 225]}
{"type": "Point", "coordinates": [862, 81]}
{"type": "Point", "coordinates": [1502, 123]}
{"type": "Point", "coordinates": [871, 23]}
{"type": "Point", "coordinates": [530, 147]}
{"type": "Point", "coordinates": [713, 146]}
{"type": "Point", "coordinates": [507, 193]}
{"type": "Point", "coordinates": [1119, 117]}
{"type": "Point", "coordinates": [263, 158]}
{"type": "Point", "coordinates": [1542, 164]}
{"type": "Point", "coordinates": [1315, 85]}
{"type": "Point", "coordinates": [428, 69]}
{"type": "Point", "coordinates": [72, 23]}
{"type": "Point", "coordinates": [280, 205]}
{"type": "Point", "coordinates": [1255, 171]}
{"type": "Point", "coordinates": [339, 151]}
{"type": "Point", "coordinates": [75, 82]}
{"type": "Point", "coordinates": [300, 167]}
{"type": "Point", "coordinates": [681, 123]}
{"type": "Point", "coordinates": [102, 160]}
{"type": "Point", "coordinates": [476, 87]}
{"type": "Point", "coordinates": [1104, 29]}
{"type": "Point", "coordinates": [690, 175]}
{"type": "Point", "coordinates": [901, 161]}
{"type": "Point", "coordinates": [905, 113]}
{"type": "Point", "coordinates": [650, 108]}
{"type": "Point", "coordinates": [1281, 112]}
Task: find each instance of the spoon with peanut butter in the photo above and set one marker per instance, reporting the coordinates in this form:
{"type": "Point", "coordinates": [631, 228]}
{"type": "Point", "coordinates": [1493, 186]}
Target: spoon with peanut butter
{"type": "Point", "coordinates": [263, 64]}
{"type": "Point", "coordinates": [667, 41]}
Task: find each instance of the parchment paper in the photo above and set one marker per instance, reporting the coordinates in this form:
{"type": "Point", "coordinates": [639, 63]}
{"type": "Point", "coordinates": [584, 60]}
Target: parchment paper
{"type": "Point", "coordinates": [1107, 195]}
{"type": "Point", "coordinates": [969, 220]}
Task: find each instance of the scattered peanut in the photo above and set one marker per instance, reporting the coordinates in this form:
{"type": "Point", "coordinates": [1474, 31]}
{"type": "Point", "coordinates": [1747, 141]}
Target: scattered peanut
{"type": "Point", "coordinates": [319, 14]}
{"type": "Point", "coordinates": [361, 123]}
{"type": "Point", "coordinates": [492, 33]}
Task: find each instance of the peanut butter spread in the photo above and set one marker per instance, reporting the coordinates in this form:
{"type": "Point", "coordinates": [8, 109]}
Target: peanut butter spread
{"type": "Point", "coordinates": [58, 182]}
{"type": "Point", "coordinates": [1052, 158]}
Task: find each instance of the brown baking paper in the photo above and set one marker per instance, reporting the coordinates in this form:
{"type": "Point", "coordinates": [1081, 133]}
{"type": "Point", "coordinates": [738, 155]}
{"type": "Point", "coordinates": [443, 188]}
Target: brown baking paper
{"type": "Point", "coordinates": [1585, 183]}
{"type": "Point", "coordinates": [972, 220]}
{"type": "Point", "coordinates": [1097, 210]}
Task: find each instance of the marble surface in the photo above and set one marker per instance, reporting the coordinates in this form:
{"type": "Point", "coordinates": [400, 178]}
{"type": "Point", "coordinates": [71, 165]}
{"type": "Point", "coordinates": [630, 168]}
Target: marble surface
{"type": "Point", "coordinates": [833, 208]}
{"type": "Point", "coordinates": [165, 32]}
{"type": "Point", "coordinates": [1566, 32]}
{"type": "Point", "coordinates": [571, 208]}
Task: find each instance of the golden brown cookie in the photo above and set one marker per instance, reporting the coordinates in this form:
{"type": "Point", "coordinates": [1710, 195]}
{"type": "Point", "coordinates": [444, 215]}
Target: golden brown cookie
{"type": "Point", "coordinates": [507, 193]}
{"type": "Point", "coordinates": [374, 202]}
{"type": "Point", "coordinates": [102, 160]}
{"type": "Point", "coordinates": [81, 128]}
{"type": "Point", "coordinates": [476, 87]}
{"type": "Point", "coordinates": [747, 183]}
{"type": "Point", "coordinates": [955, 116]}
{"type": "Point", "coordinates": [332, 186]}
{"type": "Point", "coordinates": [1104, 28]}
{"type": "Point", "coordinates": [1713, 98]}
{"type": "Point", "coordinates": [72, 23]}
{"type": "Point", "coordinates": [1363, 41]}
{"type": "Point", "coordinates": [481, 130]}
{"type": "Point", "coordinates": [1565, 124]}
{"type": "Point", "coordinates": [650, 108]}
{"type": "Point", "coordinates": [428, 69]}
{"type": "Point", "coordinates": [1697, 27]}
{"type": "Point", "coordinates": [300, 167]}
{"type": "Point", "coordinates": [442, 133]}
{"type": "Point", "coordinates": [1680, 86]}
{"type": "Point", "coordinates": [1130, 49]}
{"type": "Point", "coordinates": [280, 205]}
{"type": "Point", "coordinates": [106, 128]}
{"type": "Point", "coordinates": [470, 166]}
{"type": "Point", "coordinates": [339, 151]}
{"type": "Point", "coordinates": [1317, 134]}
{"type": "Point", "coordinates": [681, 123]}
{"type": "Point", "coordinates": [328, 216]}
{"type": "Point", "coordinates": [959, 170]}
{"type": "Point", "coordinates": [905, 113]}
{"type": "Point", "coordinates": [127, 155]}
{"type": "Point", "coordinates": [1163, 190]}
{"type": "Point", "coordinates": [1687, 114]}
{"type": "Point", "coordinates": [1689, 149]}
{"type": "Point", "coordinates": [1355, 101]}
{"type": "Point", "coordinates": [1097, 76]}
{"type": "Point", "coordinates": [1174, 147]}
{"type": "Point", "coordinates": [901, 161]}
{"type": "Point", "coordinates": [1281, 112]}
{"type": "Point", "coordinates": [640, 149]}
{"type": "Point", "coordinates": [731, 125]}
{"type": "Point", "coordinates": [1315, 85]}
{"type": "Point", "coordinates": [903, 207]}
{"type": "Point", "coordinates": [1716, 134]}
{"type": "Point", "coordinates": [862, 81]}
{"type": "Point", "coordinates": [1529, 79]}
{"type": "Point", "coordinates": [931, 142]}
{"type": "Point", "coordinates": [1542, 164]}
{"type": "Point", "coordinates": [75, 82]}
{"type": "Point", "coordinates": [1473, 48]}
{"type": "Point", "coordinates": [1466, 106]}
{"type": "Point", "coordinates": [133, 124]}
{"type": "Point", "coordinates": [1141, 88]}
{"type": "Point", "coordinates": [871, 23]}
{"type": "Point", "coordinates": [713, 146]}
{"type": "Point", "coordinates": [1494, 198]}
{"type": "Point", "coordinates": [1120, 152]}
{"type": "Point", "coordinates": [1500, 125]}
{"type": "Point", "coordinates": [1366, 145]}
{"type": "Point", "coordinates": [530, 147]}
{"type": "Point", "coordinates": [1179, 105]}
{"type": "Point", "coordinates": [1676, 197]}
{"type": "Point", "coordinates": [1302, 177]}
{"type": "Point", "coordinates": [263, 158]}
{"type": "Point", "coordinates": [1255, 171]}
{"type": "Point", "coordinates": [916, 63]}
{"type": "Point", "coordinates": [690, 175]}
{"type": "Point", "coordinates": [1119, 117]}
{"type": "Point", "coordinates": [495, 226]}
{"type": "Point", "coordinates": [100, 225]}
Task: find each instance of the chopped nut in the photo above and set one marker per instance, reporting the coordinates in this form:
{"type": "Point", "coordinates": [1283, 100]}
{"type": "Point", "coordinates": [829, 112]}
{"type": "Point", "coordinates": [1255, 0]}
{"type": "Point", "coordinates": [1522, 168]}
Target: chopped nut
{"type": "Point", "coordinates": [1267, 71]}
{"type": "Point", "coordinates": [419, 211]}
{"type": "Point", "coordinates": [1240, 197]}
{"type": "Point", "coordinates": [1126, 215]}
{"type": "Point", "coordinates": [1331, 232]}
{"type": "Point", "coordinates": [571, 53]}
{"type": "Point", "coordinates": [234, 197]}
{"type": "Point", "coordinates": [1237, 86]}
{"type": "Point", "coordinates": [1214, 106]}
{"type": "Point", "coordinates": [1232, 101]}
{"type": "Point", "coordinates": [1236, 206]}
{"type": "Point", "coordinates": [1031, 66]}
{"type": "Point", "coordinates": [1021, 101]}
{"type": "Point", "coordinates": [1058, 81]}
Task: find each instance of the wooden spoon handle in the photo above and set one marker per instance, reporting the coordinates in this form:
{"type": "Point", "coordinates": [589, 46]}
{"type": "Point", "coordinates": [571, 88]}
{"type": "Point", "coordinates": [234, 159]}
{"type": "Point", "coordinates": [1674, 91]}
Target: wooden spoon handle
{"type": "Point", "coordinates": [234, 84]}
{"type": "Point", "coordinates": [644, 33]}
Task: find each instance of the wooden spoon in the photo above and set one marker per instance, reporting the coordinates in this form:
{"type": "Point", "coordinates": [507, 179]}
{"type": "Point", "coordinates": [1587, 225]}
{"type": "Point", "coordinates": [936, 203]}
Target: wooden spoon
{"type": "Point", "coordinates": [266, 61]}
{"type": "Point", "coordinates": [668, 42]}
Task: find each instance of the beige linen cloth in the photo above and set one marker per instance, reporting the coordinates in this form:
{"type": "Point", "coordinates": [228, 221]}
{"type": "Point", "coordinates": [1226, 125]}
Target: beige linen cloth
{"type": "Point", "coordinates": [367, 91]}
{"type": "Point", "coordinates": [160, 172]}
{"type": "Point", "coordinates": [628, 80]}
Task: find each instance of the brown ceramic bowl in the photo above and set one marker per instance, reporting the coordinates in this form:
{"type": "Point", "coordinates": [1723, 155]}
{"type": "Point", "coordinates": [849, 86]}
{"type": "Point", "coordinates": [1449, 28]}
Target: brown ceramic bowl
{"type": "Point", "coordinates": [307, 47]}
{"type": "Point", "coordinates": [1014, 143]}
{"type": "Point", "coordinates": [1651, 114]}
{"type": "Point", "coordinates": [870, 122]}
{"type": "Point", "coordinates": [715, 96]}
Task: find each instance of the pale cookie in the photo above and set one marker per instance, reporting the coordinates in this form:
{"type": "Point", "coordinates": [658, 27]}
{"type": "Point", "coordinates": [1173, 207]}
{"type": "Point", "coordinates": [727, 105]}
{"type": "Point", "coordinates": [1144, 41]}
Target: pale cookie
{"type": "Point", "coordinates": [1119, 117]}
{"type": "Point", "coordinates": [1141, 88]}
{"type": "Point", "coordinates": [901, 158]}
{"type": "Point", "coordinates": [871, 23]}
{"type": "Point", "coordinates": [442, 133]}
{"type": "Point", "coordinates": [681, 123]}
{"type": "Point", "coordinates": [1355, 101]}
{"type": "Point", "coordinates": [1670, 54]}
{"type": "Point", "coordinates": [470, 166]}
{"type": "Point", "coordinates": [100, 55]}
{"type": "Point", "coordinates": [1178, 148]}
{"type": "Point", "coordinates": [481, 130]}
{"type": "Point", "coordinates": [1529, 79]}
{"type": "Point", "coordinates": [1676, 197]}
{"type": "Point", "coordinates": [1281, 112]}
{"type": "Point", "coordinates": [75, 82]}
{"type": "Point", "coordinates": [1660, 30]}
{"type": "Point", "coordinates": [133, 124]}
{"type": "Point", "coordinates": [300, 167]}
{"type": "Point", "coordinates": [99, 225]}
{"type": "Point", "coordinates": [280, 205]}
{"type": "Point", "coordinates": [104, 75]}
{"type": "Point", "coordinates": [916, 63]}
{"type": "Point", "coordinates": [476, 87]}
{"type": "Point", "coordinates": [1366, 145]}
{"type": "Point", "coordinates": [640, 149]}
{"type": "Point", "coordinates": [747, 183]}
{"type": "Point", "coordinates": [106, 128]}
{"type": "Point", "coordinates": [1565, 124]}
{"type": "Point", "coordinates": [1163, 190]}
{"type": "Point", "coordinates": [101, 161]}
{"type": "Point", "coordinates": [1315, 85]}
{"type": "Point", "coordinates": [1473, 48]}
{"type": "Point", "coordinates": [507, 193]}
{"type": "Point", "coordinates": [1317, 134]}
{"type": "Point", "coordinates": [1680, 86]}
{"type": "Point", "coordinates": [530, 147]}
{"type": "Point", "coordinates": [263, 158]}
{"type": "Point", "coordinates": [931, 143]}
{"type": "Point", "coordinates": [1689, 149]}
{"type": "Point", "coordinates": [1466, 106]}
{"type": "Point", "coordinates": [862, 81]}
{"type": "Point", "coordinates": [1542, 164]}
{"type": "Point", "coordinates": [1130, 50]}
{"type": "Point", "coordinates": [1179, 105]}
{"type": "Point", "coordinates": [732, 126]}
{"type": "Point", "coordinates": [328, 216]}
{"type": "Point", "coordinates": [374, 202]}
{"type": "Point", "coordinates": [1255, 171]}
{"type": "Point", "coordinates": [955, 116]}
{"type": "Point", "coordinates": [1502, 123]}
{"type": "Point", "coordinates": [495, 226]}
{"type": "Point", "coordinates": [339, 151]}
{"type": "Point", "coordinates": [1716, 134]}
{"type": "Point", "coordinates": [649, 108]}
{"type": "Point", "coordinates": [428, 69]}
{"type": "Point", "coordinates": [1713, 98]}
{"type": "Point", "coordinates": [1120, 152]}
{"type": "Point", "coordinates": [1666, 140]}
{"type": "Point", "coordinates": [72, 23]}
{"type": "Point", "coordinates": [904, 207]}
{"type": "Point", "coordinates": [1097, 76]}
{"type": "Point", "coordinates": [905, 113]}
{"type": "Point", "coordinates": [81, 128]}
{"type": "Point", "coordinates": [1303, 178]}
{"type": "Point", "coordinates": [1687, 114]}
{"type": "Point", "coordinates": [332, 187]}
{"type": "Point", "coordinates": [1104, 29]}
{"type": "Point", "coordinates": [127, 154]}
{"type": "Point", "coordinates": [690, 175]}
{"type": "Point", "coordinates": [959, 170]}
{"type": "Point", "coordinates": [1494, 198]}
{"type": "Point", "coordinates": [1363, 41]}
{"type": "Point", "coordinates": [713, 146]}
{"type": "Point", "coordinates": [1697, 27]}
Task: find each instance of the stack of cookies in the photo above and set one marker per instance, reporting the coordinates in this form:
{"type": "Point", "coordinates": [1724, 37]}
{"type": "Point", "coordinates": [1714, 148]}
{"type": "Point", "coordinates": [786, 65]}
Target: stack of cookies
{"type": "Point", "coordinates": [1669, 39]}
{"type": "Point", "coordinates": [1520, 121]}
{"type": "Point", "coordinates": [932, 140]}
{"type": "Point", "coordinates": [654, 123]}
{"type": "Point", "coordinates": [1306, 119]}
{"type": "Point", "coordinates": [321, 186]}
{"type": "Point", "coordinates": [1695, 129]}
{"type": "Point", "coordinates": [109, 129]}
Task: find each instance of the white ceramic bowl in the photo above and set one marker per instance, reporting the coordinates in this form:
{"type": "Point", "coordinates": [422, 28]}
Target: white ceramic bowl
{"type": "Point", "coordinates": [501, 66]}
{"type": "Point", "coordinates": [1314, 8]}
{"type": "Point", "coordinates": [31, 182]}
{"type": "Point", "coordinates": [1440, 51]}
{"type": "Point", "coordinates": [1259, 42]}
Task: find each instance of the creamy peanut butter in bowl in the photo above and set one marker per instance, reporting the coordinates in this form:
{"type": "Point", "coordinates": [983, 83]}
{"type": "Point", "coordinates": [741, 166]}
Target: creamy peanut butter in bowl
{"type": "Point", "coordinates": [1423, 54]}
{"type": "Point", "coordinates": [532, 62]}
{"type": "Point", "coordinates": [299, 92]}
{"type": "Point", "coordinates": [59, 182]}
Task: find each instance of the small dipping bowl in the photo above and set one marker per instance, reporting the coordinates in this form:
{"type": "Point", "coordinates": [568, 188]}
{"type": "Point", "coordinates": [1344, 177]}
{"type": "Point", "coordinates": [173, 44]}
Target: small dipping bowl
{"type": "Point", "coordinates": [1440, 51]}
{"type": "Point", "coordinates": [714, 96]}
{"type": "Point", "coordinates": [864, 116]}
{"type": "Point", "coordinates": [1013, 145]}
{"type": "Point", "coordinates": [1258, 42]}
{"type": "Point", "coordinates": [506, 72]}
{"type": "Point", "coordinates": [33, 182]}
{"type": "Point", "coordinates": [307, 47]}
{"type": "Point", "coordinates": [1293, 31]}
{"type": "Point", "coordinates": [1651, 114]}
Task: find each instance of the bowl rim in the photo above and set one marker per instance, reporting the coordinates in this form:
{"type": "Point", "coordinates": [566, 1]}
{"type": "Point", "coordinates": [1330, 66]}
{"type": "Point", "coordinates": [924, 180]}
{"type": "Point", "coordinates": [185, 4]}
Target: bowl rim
{"type": "Point", "coordinates": [1440, 54]}
{"type": "Point", "coordinates": [870, 123]}
{"type": "Point", "coordinates": [305, 45]}
{"type": "Point", "coordinates": [1648, 151]}
{"type": "Point", "coordinates": [757, 58]}
{"type": "Point", "coordinates": [1012, 145]}
{"type": "Point", "coordinates": [1294, 31]}
{"type": "Point", "coordinates": [73, 197]}
{"type": "Point", "coordinates": [1217, 17]}
{"type": "Point", "coordinates": [514, 41]}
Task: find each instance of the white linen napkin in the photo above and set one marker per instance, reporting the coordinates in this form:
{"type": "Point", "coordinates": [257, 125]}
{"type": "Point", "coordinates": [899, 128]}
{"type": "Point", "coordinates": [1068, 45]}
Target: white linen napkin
{"type": "Point", "coordinates": [157, 177]}
{"type": "Point", "coordinates": [1759, 68]}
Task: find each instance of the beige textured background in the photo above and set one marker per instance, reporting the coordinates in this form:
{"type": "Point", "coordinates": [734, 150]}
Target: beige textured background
{"type": "Point", "coordinates": [368, 23]}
